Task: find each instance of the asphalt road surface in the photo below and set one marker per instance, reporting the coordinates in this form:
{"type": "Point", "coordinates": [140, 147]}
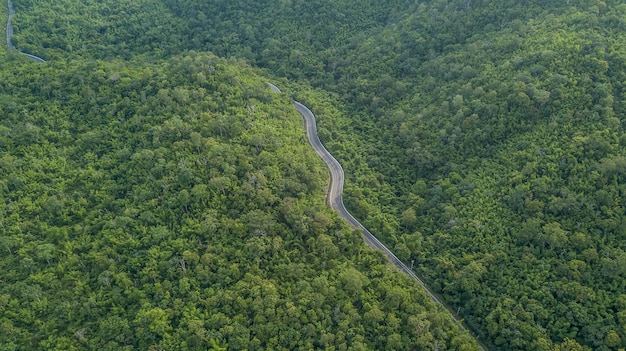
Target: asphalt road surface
{"type": "Point", "coordinates": [274, 88]}
{"type": "Point", "coordinates": [10, 25]}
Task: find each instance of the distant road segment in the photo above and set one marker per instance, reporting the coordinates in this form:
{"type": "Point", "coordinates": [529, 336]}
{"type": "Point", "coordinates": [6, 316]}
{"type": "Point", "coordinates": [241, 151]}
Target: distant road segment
{"type": "Point", "coordinates": [9, 31]}
{"type": "Point", "coordinates": [10, 25]}
{"type": "Point", "coordinates": [274, 88]}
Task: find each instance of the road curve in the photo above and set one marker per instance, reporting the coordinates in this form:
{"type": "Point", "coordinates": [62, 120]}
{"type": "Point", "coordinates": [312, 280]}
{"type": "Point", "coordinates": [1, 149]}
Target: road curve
{"type": "Point", "coordinates": [335, 200]}
{"type": "Point", "coordinates": [9, 31]}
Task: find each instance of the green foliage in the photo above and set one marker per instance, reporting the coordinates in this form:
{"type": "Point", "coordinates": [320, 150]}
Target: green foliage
{"type": "Point", "coordinates": [177, 205]}
{"type": "Point", "coordinates": [482, 140]}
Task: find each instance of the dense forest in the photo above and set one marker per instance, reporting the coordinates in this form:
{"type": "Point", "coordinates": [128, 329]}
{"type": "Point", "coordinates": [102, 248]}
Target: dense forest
{"type": "Point", "coordinates": [482, 140]}
{"type": "Point", "coordinates": [178, 206]}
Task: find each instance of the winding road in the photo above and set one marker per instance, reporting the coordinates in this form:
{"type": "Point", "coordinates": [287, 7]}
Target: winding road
{"type": "Point", "coordinates": [335, 201]}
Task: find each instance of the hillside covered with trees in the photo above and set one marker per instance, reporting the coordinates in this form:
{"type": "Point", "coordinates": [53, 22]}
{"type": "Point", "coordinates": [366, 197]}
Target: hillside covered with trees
{"type": "Point", "coordinates": [481, 139]}
{"type": "Point", "coordinates": [178, 206]}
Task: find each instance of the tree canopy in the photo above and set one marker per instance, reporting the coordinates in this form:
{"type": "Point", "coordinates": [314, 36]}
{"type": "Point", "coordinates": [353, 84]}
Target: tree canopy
{"type": "Point", "coordinates": [482, 140]}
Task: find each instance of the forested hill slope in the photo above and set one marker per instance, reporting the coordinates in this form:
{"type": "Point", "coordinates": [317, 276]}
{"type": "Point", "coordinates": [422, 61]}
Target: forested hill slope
{"type": "Point", "coordinates": [509, 156]}
{"type": "Point", "coordinates": [177, 205]}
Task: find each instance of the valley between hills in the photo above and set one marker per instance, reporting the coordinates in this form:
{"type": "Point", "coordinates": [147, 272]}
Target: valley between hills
{"type": "Point", "coordinates": [157, 194]}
